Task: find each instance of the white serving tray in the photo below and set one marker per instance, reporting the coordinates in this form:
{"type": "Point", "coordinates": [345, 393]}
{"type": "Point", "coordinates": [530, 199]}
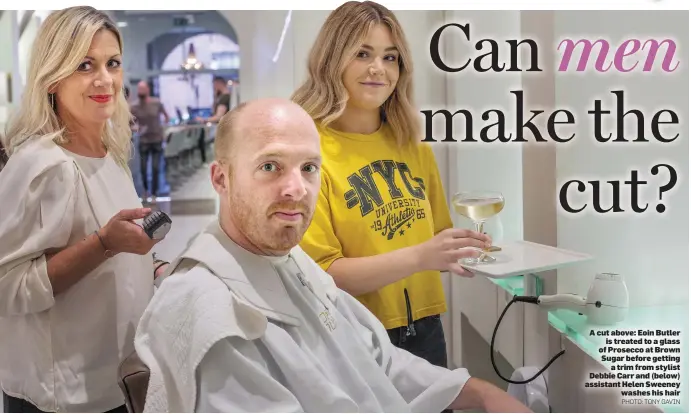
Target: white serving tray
{"type": "Point", "coordinates": [523, 257]}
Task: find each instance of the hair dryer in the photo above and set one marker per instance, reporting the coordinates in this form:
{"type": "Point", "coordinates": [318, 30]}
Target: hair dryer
{"type": "Point", "coordinates": [607, 301]}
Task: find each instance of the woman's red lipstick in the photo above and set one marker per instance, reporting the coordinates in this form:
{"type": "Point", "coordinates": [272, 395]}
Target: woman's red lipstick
{"type": "Point", "coordinates": [101, 98]}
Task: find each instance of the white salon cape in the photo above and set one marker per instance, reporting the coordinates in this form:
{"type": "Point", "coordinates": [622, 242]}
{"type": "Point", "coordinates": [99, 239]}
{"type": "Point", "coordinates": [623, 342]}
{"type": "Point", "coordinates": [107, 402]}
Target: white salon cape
{"type": "Point", "coordinates": [232, 331]}
{"type": "Point", "coordinates": [61, 352]}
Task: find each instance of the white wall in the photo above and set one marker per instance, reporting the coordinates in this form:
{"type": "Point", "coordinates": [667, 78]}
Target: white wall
{"type": "Point", "coordinates": [482, 167]}
{"type": "Point", "coordinates": [15, 52]}
{"type": "Point", "coordinates": [258, 35]}
{"type": "Point", "coordinates": [650, 250]}
{"type": "Point", "coordinates": [9, 36]}
{"type": "Point", "coordinates": [25, 44]}
{"type": "Point", "coordinates": [304, 27]}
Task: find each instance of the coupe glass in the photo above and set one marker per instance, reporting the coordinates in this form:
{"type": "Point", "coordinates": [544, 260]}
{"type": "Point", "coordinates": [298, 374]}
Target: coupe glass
{"type": "Point", "coordinates": [478, 206]}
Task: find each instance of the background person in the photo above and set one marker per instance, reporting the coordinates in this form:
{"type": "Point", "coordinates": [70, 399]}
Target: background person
{"type": "Point", "coordinates": [221, 100]}
{"type": "Point", "coordinates": [221, 107]}
{"type": "Point", "coordinates": [147, 112]}
{"type": "Point", "coordinates": [382, 227]}
{"type": "Point", "coordinates": [135, 160]}
{"type": "Point", "coordinates": [75, 268]}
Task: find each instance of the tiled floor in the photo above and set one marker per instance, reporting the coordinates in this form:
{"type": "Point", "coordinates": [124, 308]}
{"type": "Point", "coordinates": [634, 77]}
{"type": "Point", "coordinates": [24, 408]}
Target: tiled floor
{"type": "Point", "coordinates": [196, 187]}
{"type": "Point", "coordinates": [191, 208]}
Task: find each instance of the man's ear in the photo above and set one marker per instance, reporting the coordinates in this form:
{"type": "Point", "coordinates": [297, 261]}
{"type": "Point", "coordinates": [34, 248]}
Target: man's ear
{"type": "Point", "coordinates": [218, 177]}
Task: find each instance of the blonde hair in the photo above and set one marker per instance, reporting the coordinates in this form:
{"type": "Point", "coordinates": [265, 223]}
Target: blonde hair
{"type": "Point", "coordinates": [61, 44]}
{"type": "Point", "coordinates": [323, 94]}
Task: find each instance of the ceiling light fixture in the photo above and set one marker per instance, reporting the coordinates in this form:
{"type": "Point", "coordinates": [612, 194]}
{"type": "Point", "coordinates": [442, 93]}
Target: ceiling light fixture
{"type": "Point", "coordinates": [191, 63]}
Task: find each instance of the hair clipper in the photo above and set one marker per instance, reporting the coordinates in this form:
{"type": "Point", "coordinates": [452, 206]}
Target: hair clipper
{"type": "Point", "coordinates": [157, 225]}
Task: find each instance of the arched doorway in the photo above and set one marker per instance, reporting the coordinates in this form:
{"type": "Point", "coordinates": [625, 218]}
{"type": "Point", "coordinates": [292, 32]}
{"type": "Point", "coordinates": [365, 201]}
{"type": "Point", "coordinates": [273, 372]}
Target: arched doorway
{"type": "Point", "coordinates": [156, 46]}
{"type": "Point", "coordinates": [154, 41]}
{"type": "Point", "coordinates": [192, 89]}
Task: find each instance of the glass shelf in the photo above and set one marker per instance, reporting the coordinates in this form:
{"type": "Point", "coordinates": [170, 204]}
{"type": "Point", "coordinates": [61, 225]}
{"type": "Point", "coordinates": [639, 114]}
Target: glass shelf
{"type": "Point", "coordinates": [576, 327]}
{"type": "Point", "coordinates": [513, 285]}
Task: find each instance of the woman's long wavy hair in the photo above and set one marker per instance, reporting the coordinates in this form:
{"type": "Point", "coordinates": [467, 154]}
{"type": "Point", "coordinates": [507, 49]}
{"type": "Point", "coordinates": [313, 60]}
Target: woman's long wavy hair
{"type": "Point", "coordinates": [61, 44]}
{"type": "Point", "coordinates": [323, 94]}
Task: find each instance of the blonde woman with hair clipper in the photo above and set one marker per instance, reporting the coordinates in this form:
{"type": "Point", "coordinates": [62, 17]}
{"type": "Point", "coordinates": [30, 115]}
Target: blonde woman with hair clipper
{"type": "Point", "coordinates": [382, 228]}
{"type": "Point", "coordinates": [75, 268]}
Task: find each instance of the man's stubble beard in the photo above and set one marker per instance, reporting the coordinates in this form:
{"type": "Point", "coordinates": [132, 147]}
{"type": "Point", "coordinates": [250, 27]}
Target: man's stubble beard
{"type": "Point", "coordinates": [259, 229]}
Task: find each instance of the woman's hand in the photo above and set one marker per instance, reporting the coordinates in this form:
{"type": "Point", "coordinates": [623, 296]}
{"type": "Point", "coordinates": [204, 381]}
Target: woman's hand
{"type": "Point", "coordinates": [122, 235]}
{"type": "Point", "coordinates": [443, 251]}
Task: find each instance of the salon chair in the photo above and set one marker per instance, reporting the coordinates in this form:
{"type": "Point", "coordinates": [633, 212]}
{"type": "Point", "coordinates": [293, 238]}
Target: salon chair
{"type": "Point", "coordinates": [133, 379]}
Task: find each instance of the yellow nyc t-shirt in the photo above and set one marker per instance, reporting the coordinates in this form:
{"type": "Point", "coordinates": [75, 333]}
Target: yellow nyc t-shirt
{"type": "Point", "coordinates": [377, 197]}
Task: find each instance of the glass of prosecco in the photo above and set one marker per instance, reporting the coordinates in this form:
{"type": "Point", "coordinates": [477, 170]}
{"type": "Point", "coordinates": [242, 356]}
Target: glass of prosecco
{"type": "Point", "coordinates": [479, 206]}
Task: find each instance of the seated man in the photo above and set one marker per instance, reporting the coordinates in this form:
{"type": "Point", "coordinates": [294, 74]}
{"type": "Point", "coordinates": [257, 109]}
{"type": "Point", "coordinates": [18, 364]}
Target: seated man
{"type": "Point", "coordinates": [246, 321]}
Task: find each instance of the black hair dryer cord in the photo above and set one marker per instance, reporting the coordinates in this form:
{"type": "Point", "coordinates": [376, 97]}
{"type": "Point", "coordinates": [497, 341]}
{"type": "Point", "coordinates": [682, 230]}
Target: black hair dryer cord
{"type": "Point", "coordinates": [527, 299]}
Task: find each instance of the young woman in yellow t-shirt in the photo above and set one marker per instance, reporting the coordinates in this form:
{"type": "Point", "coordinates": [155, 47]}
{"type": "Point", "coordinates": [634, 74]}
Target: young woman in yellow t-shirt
{"type": "Point", "coordinates": [382, 227]}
